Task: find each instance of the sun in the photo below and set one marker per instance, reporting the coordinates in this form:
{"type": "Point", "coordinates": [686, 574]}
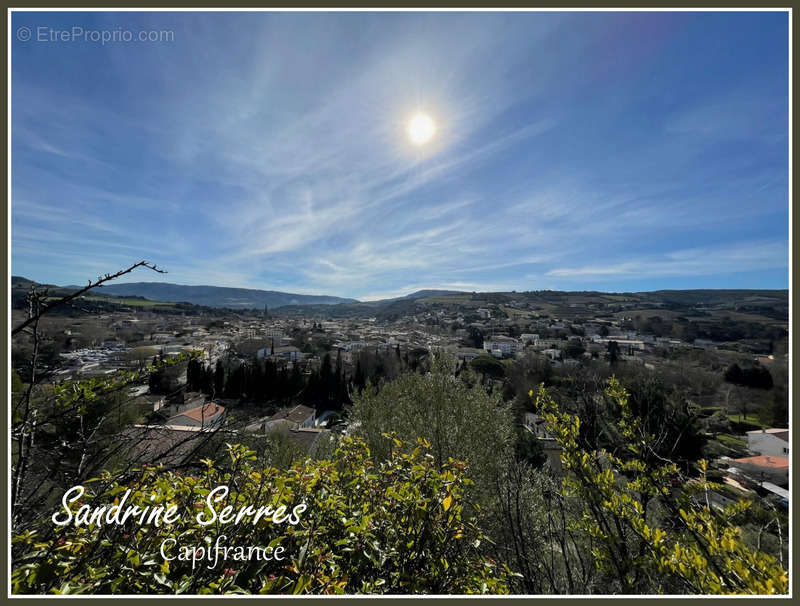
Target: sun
{"type": "Point", "coordinates": [421, 129]}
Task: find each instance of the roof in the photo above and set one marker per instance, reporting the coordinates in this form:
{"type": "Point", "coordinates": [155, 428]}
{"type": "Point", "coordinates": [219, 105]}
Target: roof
{"type": "Point", "coordinates": [765, 461]}
{"type": "Point", "coordinates": [298, 414]}
{"type": "Point", "coordinates": [732, 482]}
{"type": "Point", "coordinates": [781, 433]}
{"type": "Point", "coordinates": [202, 413]}
{"type": "Point", "coordinates": [501, 339]}
{"type": "Point", "coordinates": [162, 443]}
{"type": "Point", "coordinates": [774, 489]}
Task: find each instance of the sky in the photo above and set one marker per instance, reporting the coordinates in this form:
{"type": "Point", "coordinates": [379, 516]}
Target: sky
{"type": "Point", "coordinates": [573, 151]}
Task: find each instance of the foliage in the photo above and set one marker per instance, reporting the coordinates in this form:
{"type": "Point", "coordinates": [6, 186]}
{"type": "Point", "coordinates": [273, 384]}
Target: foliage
{"type": "Point", "coordinates": [17, 386]}
{"type": "Point", "coordinates": [532, 525]}
{"type": "Point", "coordinates": [460, 421]}
{"type": "Point", "coordinates": [693, 547]}
{"type": "Point", "coordinates": [72, 422]}
{"type": "Point", "coordinates": [613, 354]}
{"type": "Point", "coordinates": [755, 376]}
{"type": "Point", "coordinates": [574, 349]}
{"type": "Point", "coordinates": [664, 412]}
{"type": "Point", "coordinates": [394, 527]}
{"type": "Point", "coordinates": [488, 366]}
{"type": "Point", "coordinates": [529, 449]}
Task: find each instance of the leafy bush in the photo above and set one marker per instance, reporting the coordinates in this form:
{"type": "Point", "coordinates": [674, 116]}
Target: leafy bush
{"type": "Point", "coordinates": [393, 527]}
{"type": "Point", "coordinates": [460, 421]}
{"type": "Point", "coordinates": [694, 548]}
{"type": "Point", "coordinates": [755, 376]}
{"type": "Point", "coordinates": [487, 365]}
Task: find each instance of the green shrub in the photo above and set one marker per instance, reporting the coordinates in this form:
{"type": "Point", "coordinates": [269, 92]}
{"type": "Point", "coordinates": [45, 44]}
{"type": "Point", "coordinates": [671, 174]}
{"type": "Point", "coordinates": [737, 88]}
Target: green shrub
{"type": "Point", "coordinates": [699, 550]}
{"type": "Point", "coordinates": [393, 527]}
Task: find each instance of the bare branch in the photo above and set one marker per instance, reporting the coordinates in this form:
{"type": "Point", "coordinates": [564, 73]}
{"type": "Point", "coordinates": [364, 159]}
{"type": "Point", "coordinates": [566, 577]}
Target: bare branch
{"type": "Point", "coordinates": [99, 282]}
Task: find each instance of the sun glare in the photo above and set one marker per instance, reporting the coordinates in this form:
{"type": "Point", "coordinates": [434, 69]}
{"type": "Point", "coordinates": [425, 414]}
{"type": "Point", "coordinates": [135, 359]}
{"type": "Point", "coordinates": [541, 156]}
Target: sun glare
{"type": "Point", "coordinates": [421, 129]}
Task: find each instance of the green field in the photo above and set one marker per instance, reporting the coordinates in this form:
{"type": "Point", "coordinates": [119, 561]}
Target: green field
{"type": "Point", "coordinates": [120, 301]}
{"type": "Point", "coordinates": [731, 441]}
{"type": "Point", "coordinates": [130, 302]}
{"type": "Point", "coordinates": [513, 314]}
{"type": "Point", "coordinates": [751, 418]}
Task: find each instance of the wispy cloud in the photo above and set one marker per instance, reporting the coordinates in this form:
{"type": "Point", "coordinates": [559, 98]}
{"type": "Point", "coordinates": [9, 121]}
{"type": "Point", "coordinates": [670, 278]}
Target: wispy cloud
{"type": "Point", "coordinates": [269, 150]}
{"type": "Point", "coordinates": [750, 256]}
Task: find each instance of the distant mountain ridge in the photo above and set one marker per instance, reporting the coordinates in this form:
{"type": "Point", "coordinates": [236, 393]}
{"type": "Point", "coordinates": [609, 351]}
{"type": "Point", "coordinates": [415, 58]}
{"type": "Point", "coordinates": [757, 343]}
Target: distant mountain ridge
{"type": "Point", "coordinates": [220, 296]}
{"type": "Point", "coordinates": [767, 302]}
{"type": "Point", "coordinates": [217, 296]}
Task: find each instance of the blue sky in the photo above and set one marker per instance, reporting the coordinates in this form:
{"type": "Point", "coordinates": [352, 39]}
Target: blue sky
{"type": "Point", "coordinates": [574, 151]}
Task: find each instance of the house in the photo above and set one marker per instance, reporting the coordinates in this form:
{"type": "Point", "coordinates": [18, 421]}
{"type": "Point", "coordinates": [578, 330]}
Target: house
{"type": "Point", "coordinates": [468, 353]}
{"type": "Point", "coordinates": [626, 346]}
{"type": "Point", "coordinates": [291, 354]}
{"type": "Point", "coordinates": [190, 400]}
{"type": "Point", "coordinates": [162, 443]}
{"type": "Point", "coordinates": [501, 346]}
{"type": "Point", "coordinates": [552, 353]}
{"type": "Point", "coordinates": [531, 339]}
{"type": "Point", "coordinates": [323, 419]}
{"type": "Point", "coordinates": [764, 468]}
{"type": "Point", "coordinates": [289, 418]}
{"type": "Point", "coordinates": [781, 493]}
{"type": "Point", "coordinates": [156, 401]}
{"type": "Point", "coordinates": [773, 442]}
{"type": "Point", "coordinates": [205, 415]}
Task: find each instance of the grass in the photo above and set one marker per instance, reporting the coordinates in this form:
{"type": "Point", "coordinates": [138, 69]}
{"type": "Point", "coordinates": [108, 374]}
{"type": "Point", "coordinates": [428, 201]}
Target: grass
{"type": "Point", "coordinates": [731, 441]}
{"type": "Point", "coordinates": [514, 313]}
{"type": "Point", "coordinates": [751, 418]}
{"type": "Point", "coordinates": [731, 446]}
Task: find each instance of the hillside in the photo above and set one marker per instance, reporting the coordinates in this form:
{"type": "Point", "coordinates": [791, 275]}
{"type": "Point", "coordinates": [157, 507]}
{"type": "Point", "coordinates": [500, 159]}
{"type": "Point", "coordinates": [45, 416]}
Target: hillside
{"type": "Point", "coordinates": [217, 296]}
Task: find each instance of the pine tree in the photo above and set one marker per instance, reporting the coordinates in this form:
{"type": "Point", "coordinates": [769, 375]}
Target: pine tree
{"type": "Point", "coordinates": [359, 381]}
{"type": "Point", "coordinates": [219, 379]}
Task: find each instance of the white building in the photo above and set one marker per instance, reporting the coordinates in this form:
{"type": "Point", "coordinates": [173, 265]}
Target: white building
{"type": "Point", "coordinates": [552, 353]}
{"type": "Point", "coordinates": [505, 346]}
{"type": "Point", "coordinates": [531, 339]}
{"type": "Point", "coordinates": [772, 442]}
{"type": "Point", "coordinates": [291, 354]}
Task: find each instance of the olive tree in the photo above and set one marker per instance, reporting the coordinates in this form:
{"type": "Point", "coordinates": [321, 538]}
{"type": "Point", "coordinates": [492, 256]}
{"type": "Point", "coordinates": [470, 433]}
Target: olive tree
{"type": "Point", "coordinates": [461, 421]}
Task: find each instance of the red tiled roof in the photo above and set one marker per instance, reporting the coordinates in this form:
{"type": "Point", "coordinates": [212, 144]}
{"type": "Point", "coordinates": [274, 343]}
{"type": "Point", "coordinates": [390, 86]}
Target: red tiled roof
{"type": "Point", "coordinates": [203, 413]}
{"type": "Point", "coordinates": [765, 461]}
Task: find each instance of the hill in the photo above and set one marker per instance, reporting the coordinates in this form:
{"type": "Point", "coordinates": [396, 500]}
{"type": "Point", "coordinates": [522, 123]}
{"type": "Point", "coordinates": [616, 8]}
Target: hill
{"type": "Point", "coordinates": [420, 294]}
{"type": "Point", "coordinates": [217, 296]}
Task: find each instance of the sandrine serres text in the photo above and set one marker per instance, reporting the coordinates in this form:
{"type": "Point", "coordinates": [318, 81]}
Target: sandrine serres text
{"type": "Point", "coordinates": [120, 513]}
